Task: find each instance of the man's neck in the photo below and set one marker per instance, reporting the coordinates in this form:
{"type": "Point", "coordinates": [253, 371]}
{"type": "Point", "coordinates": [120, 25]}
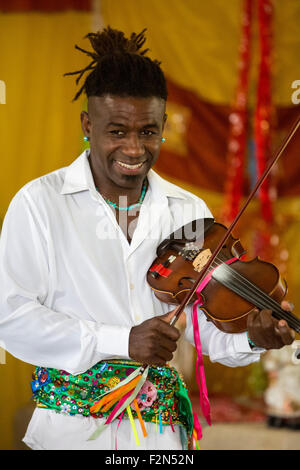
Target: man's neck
{"type": "Point", "coordinates": [119, 195]}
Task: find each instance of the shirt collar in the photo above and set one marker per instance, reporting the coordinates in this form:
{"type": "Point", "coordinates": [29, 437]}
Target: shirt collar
{"type": "Point", "coordinates": [78, 177]}
{"type": "Point", "coordinates": [157, 183]}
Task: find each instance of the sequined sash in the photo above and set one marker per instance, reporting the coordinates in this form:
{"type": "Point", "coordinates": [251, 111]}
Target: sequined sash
{"type": "Point", "coordinates": [163, 398]}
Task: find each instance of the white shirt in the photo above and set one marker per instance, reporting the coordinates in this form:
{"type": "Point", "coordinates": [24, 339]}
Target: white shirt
{"type": "Point", "coordinates": [72, 287]}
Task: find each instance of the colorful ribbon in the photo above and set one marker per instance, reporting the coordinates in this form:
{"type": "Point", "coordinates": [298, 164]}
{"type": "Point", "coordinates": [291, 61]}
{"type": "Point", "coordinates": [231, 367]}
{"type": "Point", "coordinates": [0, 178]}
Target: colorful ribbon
{"type": "Point", "coordinates": [123, 403]}
{"type": "Point", "coordinates": [200, 373]}
{"type": "Point", "coordinates": [128, 409]}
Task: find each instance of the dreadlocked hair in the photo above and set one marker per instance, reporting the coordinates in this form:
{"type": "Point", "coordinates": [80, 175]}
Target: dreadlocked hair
{"type": "Point", "coordinates": [120, 67]}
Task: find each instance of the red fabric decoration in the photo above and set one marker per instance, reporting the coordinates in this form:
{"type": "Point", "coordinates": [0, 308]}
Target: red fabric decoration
{"type": "Point", "coordinates": [45, 5]}
{"type": "Point", "coordinates": [237, 140]}
{"type": "Point", "coordinates": [264, 104]}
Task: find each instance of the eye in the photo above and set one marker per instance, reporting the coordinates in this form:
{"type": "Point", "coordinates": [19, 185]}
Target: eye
{"type": "Point", "coordinates": [148, 132]}
{"type": "Point", "coordinates": [117, 133]}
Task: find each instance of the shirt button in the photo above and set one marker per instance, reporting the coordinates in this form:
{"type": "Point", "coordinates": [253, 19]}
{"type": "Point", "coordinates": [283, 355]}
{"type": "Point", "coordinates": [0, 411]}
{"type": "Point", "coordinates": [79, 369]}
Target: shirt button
{"type": "Point", "coordinates": [137, 317]}
{"type": "Point", "coordinates": [131, 286]}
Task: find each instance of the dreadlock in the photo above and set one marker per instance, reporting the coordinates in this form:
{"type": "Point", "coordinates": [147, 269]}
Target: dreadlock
{"type": "Point", "coordinates": [120, 67]}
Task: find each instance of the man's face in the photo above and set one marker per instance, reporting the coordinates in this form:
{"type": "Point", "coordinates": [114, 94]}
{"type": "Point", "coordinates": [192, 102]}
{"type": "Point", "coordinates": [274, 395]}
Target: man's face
{"type": "Point", "coordinates": [125, 138]}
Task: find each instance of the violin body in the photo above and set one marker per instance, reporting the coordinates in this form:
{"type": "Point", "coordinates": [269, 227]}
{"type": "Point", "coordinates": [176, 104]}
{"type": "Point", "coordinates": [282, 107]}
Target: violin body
{"type": "Point", "coordinates": [228, 310]}
{"type": "Point", "coordinates": [172, 287]}
{"type": "Point", "coordinates": [232, 293]}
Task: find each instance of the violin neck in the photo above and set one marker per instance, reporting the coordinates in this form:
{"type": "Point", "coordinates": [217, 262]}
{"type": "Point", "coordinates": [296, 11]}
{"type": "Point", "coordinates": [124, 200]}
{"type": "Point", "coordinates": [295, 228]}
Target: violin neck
{"type": "Point", "coordinates": [253, 294]}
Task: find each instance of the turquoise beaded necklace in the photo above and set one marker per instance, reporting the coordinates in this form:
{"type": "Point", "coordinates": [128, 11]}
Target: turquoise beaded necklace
{"type": "Point", "coordinates": [142, 197]}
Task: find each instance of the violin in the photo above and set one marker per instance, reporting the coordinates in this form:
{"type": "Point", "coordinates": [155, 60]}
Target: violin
{"type": "Point", "coordinates": [235, 287]}
{"type": "Point", "coordinates": [233, 290]}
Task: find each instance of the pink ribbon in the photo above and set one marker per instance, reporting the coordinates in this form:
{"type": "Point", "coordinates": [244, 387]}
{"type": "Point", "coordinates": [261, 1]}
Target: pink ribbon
{"type": "Point", "coordinates": [200, 374]}
{"type": "Point", "coordinates": [117, 407]}
{"type": "Point", "coordinates": [197, 426]}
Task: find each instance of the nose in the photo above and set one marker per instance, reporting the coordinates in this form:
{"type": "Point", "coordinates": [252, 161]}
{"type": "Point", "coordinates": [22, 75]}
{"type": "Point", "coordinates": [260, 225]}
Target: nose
{"type": "Point", "coordinates": [133, 146]}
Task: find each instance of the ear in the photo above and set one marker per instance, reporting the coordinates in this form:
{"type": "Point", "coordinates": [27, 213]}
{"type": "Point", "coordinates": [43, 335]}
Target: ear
{"type": "Point", "coordinates": [85, 123]}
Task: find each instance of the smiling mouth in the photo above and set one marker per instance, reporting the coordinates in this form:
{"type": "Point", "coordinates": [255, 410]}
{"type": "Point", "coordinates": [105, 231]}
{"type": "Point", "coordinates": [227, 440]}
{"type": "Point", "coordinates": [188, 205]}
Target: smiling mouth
{"type": "Point", "coordinates": [130, 166]}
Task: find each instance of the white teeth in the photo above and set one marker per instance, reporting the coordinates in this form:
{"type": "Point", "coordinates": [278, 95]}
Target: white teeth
{"type": "Point", "coordinates": [131, 167]}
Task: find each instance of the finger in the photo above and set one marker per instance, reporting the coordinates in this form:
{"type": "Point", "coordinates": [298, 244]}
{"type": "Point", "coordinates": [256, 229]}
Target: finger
{"type": "Point", "coordinates": [252, 318]}
{"type": "Point", "coordinates": [269, 323]}
{"type": "Point", "coordinates": [286, 333]}
{"type": "Point", "coordinates": [263, 329]}
{"type": "Point", "coordinates": [165, 329]}
{"type": "Point", "coordinates": [164, 355]}
{"type": "Point", "coordinates": [267, 320]}
{"type": "Point", "coordinates": [167, 317]}
{"type": "Point", "coordinates": [287, 306]}
{"type": "Point", "coordinates": [168, 344]}
{"type": "Point", "coordinates": [160, 358]}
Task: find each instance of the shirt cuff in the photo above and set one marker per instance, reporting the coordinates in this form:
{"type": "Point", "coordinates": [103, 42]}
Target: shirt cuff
{"type": "Point", "coordinates": [242, 345]}
{"type": "Point", "coordinates": [114, 340]}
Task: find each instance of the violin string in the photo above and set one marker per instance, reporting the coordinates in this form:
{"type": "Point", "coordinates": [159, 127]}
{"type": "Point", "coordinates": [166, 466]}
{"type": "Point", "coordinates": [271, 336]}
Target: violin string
{"type": "Point", "coordinates": [261, 303]}
{"type": "Point", "coordinates": [248, 289]}
{"type": "Point", "coordinates": [252, 298]}
{"type": "Point", "coordinates": [261, 296]}
{"type": "Point", "coordinates": [256, 294]}
{"type": "Point", "coordinates": [266, 300]}
{"type": "Point", "coordinates": [271, 302]}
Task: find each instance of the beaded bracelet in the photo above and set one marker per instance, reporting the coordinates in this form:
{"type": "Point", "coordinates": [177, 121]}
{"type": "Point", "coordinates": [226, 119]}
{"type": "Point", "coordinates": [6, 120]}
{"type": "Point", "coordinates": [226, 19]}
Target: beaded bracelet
{"type": "Point", "coordinates": [250, 342]}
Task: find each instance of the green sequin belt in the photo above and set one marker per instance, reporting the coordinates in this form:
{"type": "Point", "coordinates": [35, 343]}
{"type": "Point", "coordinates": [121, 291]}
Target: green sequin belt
{"type": "Point", "coordinates": [163, 398]}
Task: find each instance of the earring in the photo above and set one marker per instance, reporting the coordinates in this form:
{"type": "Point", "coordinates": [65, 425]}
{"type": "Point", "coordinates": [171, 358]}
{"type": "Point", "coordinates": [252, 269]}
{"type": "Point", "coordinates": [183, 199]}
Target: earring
{"type": "Point", "coordinates": [163, 139]}
{"type": "Point", "coordinates": [86, 138]}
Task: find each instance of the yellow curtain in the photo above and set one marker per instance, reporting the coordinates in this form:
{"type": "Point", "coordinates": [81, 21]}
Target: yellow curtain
{"type": "Point", "coordinates": [197, 42]}
{"type": "Point", "coordinates": [40, 126]}
{"type": "Point", "coordinates": [39, 131]}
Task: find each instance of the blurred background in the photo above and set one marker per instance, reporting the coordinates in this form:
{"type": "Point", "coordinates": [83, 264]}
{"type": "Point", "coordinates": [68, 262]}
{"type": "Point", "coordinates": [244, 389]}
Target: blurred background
{"type": "Point", "coordinates": [233, 74]}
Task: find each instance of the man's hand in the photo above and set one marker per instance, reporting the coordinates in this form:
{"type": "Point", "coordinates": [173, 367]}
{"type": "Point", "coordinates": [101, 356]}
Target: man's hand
{"type": "Point", "coordinates": [154, 341]}
{"type": "Point", "coordinates": [267, 332]}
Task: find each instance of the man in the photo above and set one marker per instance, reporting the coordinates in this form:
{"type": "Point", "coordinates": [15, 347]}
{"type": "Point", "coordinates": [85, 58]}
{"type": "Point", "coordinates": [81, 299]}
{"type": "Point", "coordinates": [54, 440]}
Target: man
{"type": "Point", "coordinates": [75, 249]}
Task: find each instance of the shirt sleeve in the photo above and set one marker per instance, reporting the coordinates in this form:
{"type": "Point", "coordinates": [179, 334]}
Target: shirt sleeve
{"type": "Point", "coordinates": [232, 350]}
{"type": "Point", "coordinates": [29, 330]}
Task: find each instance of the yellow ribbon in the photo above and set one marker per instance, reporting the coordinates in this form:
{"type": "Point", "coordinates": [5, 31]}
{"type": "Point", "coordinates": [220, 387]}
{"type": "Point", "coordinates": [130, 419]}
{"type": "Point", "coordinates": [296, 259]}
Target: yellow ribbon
{"type": "Point", "coordinates": [133, 425]}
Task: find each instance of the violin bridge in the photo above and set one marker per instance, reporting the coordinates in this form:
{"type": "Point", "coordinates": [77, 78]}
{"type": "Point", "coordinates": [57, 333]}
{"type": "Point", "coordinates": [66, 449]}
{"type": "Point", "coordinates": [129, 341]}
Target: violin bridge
{"type": "Point", "coordinates": [201, 260]}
